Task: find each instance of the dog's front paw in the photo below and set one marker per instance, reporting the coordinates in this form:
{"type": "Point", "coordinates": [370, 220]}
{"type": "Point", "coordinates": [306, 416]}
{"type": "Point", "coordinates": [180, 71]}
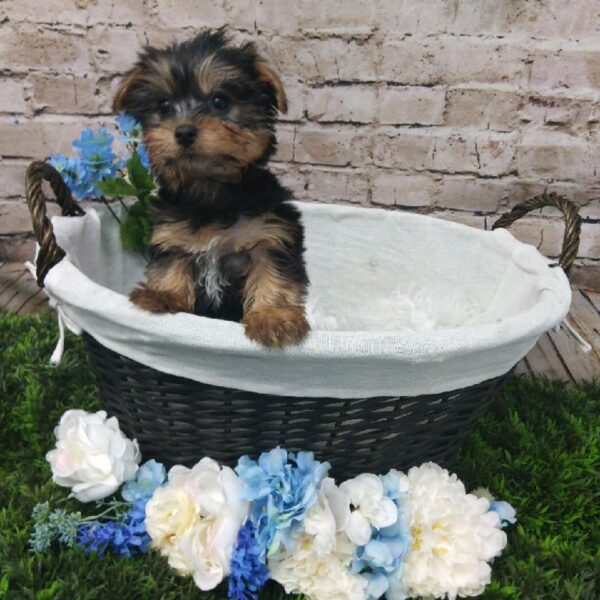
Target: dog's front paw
{"type": "Point", "coordinates": [156, 301]}
{"type": "Point", "coordinates": [276, 327]}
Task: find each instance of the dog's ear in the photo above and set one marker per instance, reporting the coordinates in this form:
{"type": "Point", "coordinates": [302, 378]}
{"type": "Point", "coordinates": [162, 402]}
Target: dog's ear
{"type": "Point", "coordinates": [121, 101]}
{"type": "Point", "coordinates": [267, 75]}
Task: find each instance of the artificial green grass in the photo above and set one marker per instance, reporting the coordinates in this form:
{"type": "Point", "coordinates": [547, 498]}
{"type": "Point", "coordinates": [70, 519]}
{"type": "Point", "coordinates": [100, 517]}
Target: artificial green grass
{"type": "Point", "coordinates": [538, 448]}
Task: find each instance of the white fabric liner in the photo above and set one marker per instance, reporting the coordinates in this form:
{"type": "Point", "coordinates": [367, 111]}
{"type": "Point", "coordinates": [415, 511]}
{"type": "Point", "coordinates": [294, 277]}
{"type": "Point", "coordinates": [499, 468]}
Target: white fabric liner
{"type": "Point", "coordinates": [400, 304]}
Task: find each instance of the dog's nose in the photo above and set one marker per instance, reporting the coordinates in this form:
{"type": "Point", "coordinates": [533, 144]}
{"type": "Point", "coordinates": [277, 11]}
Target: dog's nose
{"type": "Point", "coordinates": [185, 135]}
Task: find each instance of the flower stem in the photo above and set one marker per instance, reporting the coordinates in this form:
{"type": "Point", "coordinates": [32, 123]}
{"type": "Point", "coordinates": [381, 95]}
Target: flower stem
{"type": "Point", "coordinates": [112, 212]}
{"type": "Point", "coordinates": [123, 204]}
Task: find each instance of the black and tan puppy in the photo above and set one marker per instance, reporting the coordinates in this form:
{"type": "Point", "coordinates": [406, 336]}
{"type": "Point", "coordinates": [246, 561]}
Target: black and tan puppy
{"type": "Point", "coordinates": [226, 243]}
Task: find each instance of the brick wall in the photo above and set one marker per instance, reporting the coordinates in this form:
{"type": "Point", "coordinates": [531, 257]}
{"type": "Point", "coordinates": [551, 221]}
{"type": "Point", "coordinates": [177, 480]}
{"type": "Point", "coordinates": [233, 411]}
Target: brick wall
{"type": "Point", "coordinates": [458, 108]}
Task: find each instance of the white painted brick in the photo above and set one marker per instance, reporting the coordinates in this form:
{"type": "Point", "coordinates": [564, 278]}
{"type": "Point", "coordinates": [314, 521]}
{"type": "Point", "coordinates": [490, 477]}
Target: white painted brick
{"type": "Point", "coordinates": [191, 13]}
{"type": "Point", "coordinates": [70, 94]}
{"type": "Point", "coordinates": [319, 61]}
{"type": "Point", "coordinates": [336, 147]}
{"type": "Point", "coordinates": [573, 66]}
{"type": "Point", "coordinates": [12, 98]}
{"type": "Point", "coordinates": [400, 189]}
{"type": "Point", "coordinates": [496, 109]}
{"type": "Point", "coordinates": [407, 105]}
{"type": "Point", "coordinates": [285, 142]}
{"type": "Point", "coordinates": [549, 110]}
{"type": "Point", "coordinates": [337, 185]}
{"type": "Point", "coordinates": [589, 245]}
{"type": "Point", "coordinates": [342, 103]}
{"type": "Point", "coordinates": [21, 138]}
{"type": "Point", "coordinates": [471, 193]}
{"type": "Point", "coordinates": [403, 149]}
{"type": "Point", "coordinates": [452, 60]}
{"type": "Point", "coordinates": [559, 156]}
{"type": "Point", "coordinates": [550, 19]}
{"type": "Point", "coordinates": [34, 46]}
{"type": "Point", "coordinates": [12, 176]}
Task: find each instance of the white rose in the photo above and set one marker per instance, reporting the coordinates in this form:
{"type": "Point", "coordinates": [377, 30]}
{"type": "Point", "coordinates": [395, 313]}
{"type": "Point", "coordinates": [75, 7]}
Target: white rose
{"type": "Point", "coordinates": [92, 455]}
{"type": "Point", "coordinates": [194, 520]}
{"type": "Point", "coordinates": [454, 535]}
{"type": "Point", "coordinates": [170, 513]}
{"type": "Point", "coordinates": [318, 566]}
{"type": "Point", "coordinates": [372, 507]}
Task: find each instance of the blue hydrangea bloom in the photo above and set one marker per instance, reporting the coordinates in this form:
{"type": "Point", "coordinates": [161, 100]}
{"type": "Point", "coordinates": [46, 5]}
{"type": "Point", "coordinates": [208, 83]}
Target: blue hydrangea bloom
{"type": "Point", "coordinates": [141, 150]}
{"type": "Point", "coordinates": [381, 558]}
{"type": "Point", "coordinates": [75, 174]}
{"type": "Point", "coordinates": [505, 511]}
{"type": "Point", "coordinates": [148, 477]}
{"type": "Point", "coordinates": [129, 128]}
{"type": "Point", "coordinates": [248, 573]}
{"type": "Point", "coordinates": [281, 487]}
{"type": "Point", "coordinates": [96, 161]}
{"type": "Point", "coordinates": [95, 149]}
{"type": "Point", "coordinates": [125, 539]}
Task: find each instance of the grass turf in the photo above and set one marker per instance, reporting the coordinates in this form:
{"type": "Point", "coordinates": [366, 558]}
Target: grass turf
{"type": "Point", "coordinates": [538, 448]}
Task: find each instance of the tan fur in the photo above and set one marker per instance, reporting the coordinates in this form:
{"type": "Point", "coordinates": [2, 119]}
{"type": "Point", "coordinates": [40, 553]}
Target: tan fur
{"type": "Point", "coordinates": [222, 138]}
{"type": "Point", "coordinates": [130, 78]}
{"type": "Point", "coordinates": [248, 233]}
{"type": "Point", "coordinates": [273, 306]}
{"type": "Point", "coordinates": [170, 287]}
{"type": "Point", "coordinates": [159, 76]}
{"type": "Point", "coordinates": [268, 75]}
{"type": "Point", "coordinates": [211, 73]}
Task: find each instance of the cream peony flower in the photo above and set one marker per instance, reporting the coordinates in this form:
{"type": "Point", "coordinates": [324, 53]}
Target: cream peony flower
{"type": "Point", "coordinates": [92, 455]}
{"type": "Point", "coordinates": [318, 566]}
{"type": "Point", "coordinates": [454, 535]}
{"type": "Point", "coordinates": [194, 520]}
{"type": "Point", "coordinates": [372, 507]}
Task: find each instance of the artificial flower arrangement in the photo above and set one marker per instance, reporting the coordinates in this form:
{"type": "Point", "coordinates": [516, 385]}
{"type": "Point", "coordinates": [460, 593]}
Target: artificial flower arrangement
{"type": "Point", "coordinates": [97, 173]}
{"type": "Point", "coordinates": [399, 535]}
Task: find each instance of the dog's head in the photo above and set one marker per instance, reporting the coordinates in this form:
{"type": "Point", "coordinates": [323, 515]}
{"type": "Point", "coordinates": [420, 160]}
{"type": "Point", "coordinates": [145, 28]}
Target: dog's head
{"type": "Point", "coordinates": [207, 107]}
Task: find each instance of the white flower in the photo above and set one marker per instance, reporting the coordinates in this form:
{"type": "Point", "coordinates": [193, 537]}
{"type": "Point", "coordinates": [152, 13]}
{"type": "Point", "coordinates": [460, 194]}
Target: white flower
{"type": "Point", "coordinates": [318, 566]}
{"type": "Point", "coordinates": [454, 535]}
{"type": "Point", "coordinates": [372, 507]}
{"type": "Point", "coordinates": [92, 455]}
{"type": "Point", "coordinates": [194, 520]}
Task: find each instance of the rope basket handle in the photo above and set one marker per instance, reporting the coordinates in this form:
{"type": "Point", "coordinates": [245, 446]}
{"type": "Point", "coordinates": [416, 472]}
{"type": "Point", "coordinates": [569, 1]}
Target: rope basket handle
{"type": "Point", "coordinates": [50, 252]}
{"type": "Point", "coordinates": [570, 214]}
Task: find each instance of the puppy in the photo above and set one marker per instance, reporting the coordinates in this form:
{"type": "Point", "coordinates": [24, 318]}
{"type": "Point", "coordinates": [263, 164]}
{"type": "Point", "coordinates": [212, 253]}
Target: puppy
{"type": "Point", "coordinates": [226, 243]}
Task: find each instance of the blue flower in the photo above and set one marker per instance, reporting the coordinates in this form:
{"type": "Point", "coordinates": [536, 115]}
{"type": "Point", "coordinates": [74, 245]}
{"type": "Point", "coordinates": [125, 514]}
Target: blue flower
{"type": "Point", "coordinates": [131, 133]}
{"type": "Point", "coordinates": [125, 539]}
{"type": "Point", "coordinates": [505, 511]}
{"type": "Point", "coordinates": [129, 128]}
{"type": "Point", "coordinates": [381, 559]}
{"type": "Point", "coordinates": [248, 573]}
{"type": "Point", "coordinates": [141, 150]}
{"type": "Point", "coordinates": [148, 477]}
{"type": "Point", "coordinates": [96, 161]}
{"type": "Point", "coordinates": [75, 175]}
{"type": "Point", "coordinates": [281, 487]}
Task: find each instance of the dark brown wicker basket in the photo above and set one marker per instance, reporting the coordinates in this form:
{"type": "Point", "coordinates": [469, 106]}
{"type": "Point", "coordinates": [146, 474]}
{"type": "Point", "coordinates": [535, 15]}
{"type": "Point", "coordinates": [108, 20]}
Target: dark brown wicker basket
{"type": "Point", "coordinates": [177, 421]}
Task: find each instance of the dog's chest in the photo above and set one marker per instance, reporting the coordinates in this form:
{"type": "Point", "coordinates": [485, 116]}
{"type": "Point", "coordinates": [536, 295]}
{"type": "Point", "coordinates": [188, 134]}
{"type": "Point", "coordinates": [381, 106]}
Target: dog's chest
{"type": "Point", "coordinates": [226, 257]}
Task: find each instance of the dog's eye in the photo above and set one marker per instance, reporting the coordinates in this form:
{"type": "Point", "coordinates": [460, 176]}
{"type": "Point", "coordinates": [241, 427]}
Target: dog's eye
{"type": "Point", "coordinates": [166, 108]}
{"type": "Point", "coordinates": [220, 102]}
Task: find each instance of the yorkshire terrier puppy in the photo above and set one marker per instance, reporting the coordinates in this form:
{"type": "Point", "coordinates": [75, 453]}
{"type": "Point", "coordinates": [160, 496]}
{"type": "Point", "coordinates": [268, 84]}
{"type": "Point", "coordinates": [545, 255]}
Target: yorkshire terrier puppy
{"type": "Point", "coordinates": [226, 243]}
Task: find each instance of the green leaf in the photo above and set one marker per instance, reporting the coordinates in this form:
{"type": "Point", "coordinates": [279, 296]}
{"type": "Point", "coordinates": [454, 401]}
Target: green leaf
{"type": "Point", "coordinates": [139, 176]}
{"type": "Point", "coordinates": [115, 186]}
{"type": "Point", "coordinates": [136, 228]}
{"type": "Point", "coordinates": [132, 234]}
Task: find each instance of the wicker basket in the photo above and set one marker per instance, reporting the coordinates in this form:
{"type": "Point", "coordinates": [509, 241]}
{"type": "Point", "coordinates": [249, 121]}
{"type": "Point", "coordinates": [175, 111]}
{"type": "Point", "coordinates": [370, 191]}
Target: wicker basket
{"type": "Point", "coordinates": [177, 420]}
